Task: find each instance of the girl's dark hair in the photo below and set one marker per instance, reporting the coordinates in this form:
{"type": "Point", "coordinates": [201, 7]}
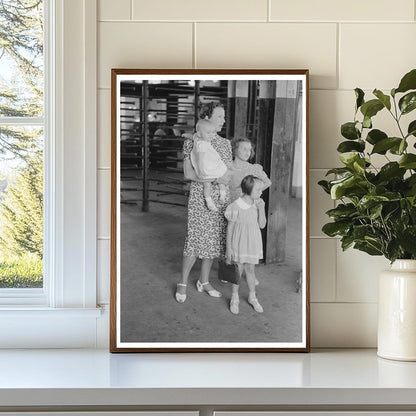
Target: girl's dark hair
{"type": "Point", "coordinates": [235, 142]}
{"type": "Point", "coordinates": [207, 109]}
{"type": "Point", "coordinates": [247, 184]}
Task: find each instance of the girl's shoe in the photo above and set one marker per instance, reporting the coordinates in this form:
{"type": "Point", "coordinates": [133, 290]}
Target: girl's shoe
{"type": "Point", "coordinates": [212, 292]}
{"type": "Point", "coordinates": [255, 304]}
{"type": "Point", "coordinates": [234, 304]}
{"type": "Point", "coordinates": [180, 297]}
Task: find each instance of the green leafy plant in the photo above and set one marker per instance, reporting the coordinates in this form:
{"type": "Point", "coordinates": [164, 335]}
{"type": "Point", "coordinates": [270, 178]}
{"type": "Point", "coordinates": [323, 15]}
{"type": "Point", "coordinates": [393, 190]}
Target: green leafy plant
{"type": "Point", "coordinates": [376, 210]}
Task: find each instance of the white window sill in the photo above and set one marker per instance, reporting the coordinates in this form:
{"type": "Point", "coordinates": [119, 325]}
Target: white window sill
{"type": "Point", "coordinates": [40, 327]}
{"type": "Point", "coordinates": [330, 379]}
{"type": "Point", "coordinates": [36, 312]}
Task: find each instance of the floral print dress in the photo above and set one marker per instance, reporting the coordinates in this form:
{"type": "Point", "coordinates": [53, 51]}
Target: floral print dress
{"type": "Point", "coordinates": [207, 230]}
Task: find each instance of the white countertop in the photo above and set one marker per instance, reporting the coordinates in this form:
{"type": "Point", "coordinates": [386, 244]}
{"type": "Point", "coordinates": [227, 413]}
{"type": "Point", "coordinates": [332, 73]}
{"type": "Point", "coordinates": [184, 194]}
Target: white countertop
{"type": "Point", "coordinates": [96, 377]}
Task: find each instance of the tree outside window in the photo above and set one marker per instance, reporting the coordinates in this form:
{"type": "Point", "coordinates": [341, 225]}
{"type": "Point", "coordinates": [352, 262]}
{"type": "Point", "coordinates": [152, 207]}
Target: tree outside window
{"type": "Point", "coordinates": [21, 143]}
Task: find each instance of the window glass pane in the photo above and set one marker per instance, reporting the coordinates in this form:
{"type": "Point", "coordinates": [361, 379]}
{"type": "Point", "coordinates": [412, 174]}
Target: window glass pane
{"type": "Point", "coordinates": [21, 58]}
{"type": "Point", "coordinates": [21, 208]}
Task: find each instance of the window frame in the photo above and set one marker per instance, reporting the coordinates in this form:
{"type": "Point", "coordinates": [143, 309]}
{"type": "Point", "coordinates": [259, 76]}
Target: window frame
{"type": "Point", "coordinates": [70, 191]}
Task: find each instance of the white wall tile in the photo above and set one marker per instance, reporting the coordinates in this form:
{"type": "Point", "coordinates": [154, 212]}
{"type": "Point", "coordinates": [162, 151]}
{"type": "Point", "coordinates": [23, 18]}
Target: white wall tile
{"type": "Point", "coordinates": [347, 325]}
{"type": "Point", "coordinates": [104, 129]}
{"type": "Point", "coordinates": [376, 55]}
{"type": "Point", "coordinates": [199, 10]}
{"type": "Point", "coordinates": [271, 45]}
{"type": "Point", "coordinates": [323, 269]}
{"type": "Point", "coordinates": [142, 45]}
{"type": "Point", "coordinates": [319, 203]}
{"type": "Point", "coordinates": [114, 10]}
{"type": "Point", "coordinates": [357, 275]}
{"type": "Point", "coordinates": [103, 271]}
{"type": "Point", "coordinates": [342, 10]}
{"type": "Point", "coordinates": [104, 202]}
{"type": "Point", "coordinates": [327, 110]}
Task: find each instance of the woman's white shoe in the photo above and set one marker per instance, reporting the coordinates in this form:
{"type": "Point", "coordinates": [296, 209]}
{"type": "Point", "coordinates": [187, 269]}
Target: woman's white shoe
{"type": "Point", "coordinates": [234, 304]}
{"type": "Point", "coordinates": [212, 292]}
{"type": "Point", "coordinates": [255, 304]}
{"type": "Point", "coordinates": [180, 297]}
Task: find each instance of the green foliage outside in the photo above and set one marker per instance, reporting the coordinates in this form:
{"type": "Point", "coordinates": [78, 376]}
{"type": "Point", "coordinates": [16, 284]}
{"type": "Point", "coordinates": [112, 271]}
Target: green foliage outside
{"type": "Point", "coordinates": [21, 95]}
{"type": "Point", "coordinates": [376, 210]}
{"type": "Point", "coordinates": [22, 271]}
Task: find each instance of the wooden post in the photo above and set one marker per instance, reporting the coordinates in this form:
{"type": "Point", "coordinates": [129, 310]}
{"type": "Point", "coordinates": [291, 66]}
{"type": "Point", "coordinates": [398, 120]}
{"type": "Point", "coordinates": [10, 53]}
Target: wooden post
{"type": "Point", "coordinates": [241, 106]}
{"type": "Point", "coordinates": [267, 96]}
{"type": "Point", "coordinates": [145, 149]}
{"type": "Point", "coordinates": [196, 101]}
{"type": "Point", "coordinates": [230, 109]}
{"type": "Point", "coordinates": [280, 169]}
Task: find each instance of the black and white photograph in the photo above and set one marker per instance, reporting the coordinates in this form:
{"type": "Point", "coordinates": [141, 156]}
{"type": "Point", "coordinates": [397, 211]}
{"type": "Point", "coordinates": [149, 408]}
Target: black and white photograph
{"type": "Point", "coordinates": [209, 213]}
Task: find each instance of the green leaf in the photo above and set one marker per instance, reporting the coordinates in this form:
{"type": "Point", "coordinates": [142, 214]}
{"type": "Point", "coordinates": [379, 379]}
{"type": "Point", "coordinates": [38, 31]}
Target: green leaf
{"type": "Point", "coordinates": [361, 231]}
{"type": "Point", "coordinates": [369, 201]}
{"type": "Point", "coordinates": [375, 136]}
{"type": "Point", "coordinates": [407, 239]}
{"type": "Point", "coordinates": [399, 148]}
{"type": "Point", "coordinates": [408, 161]}
{"type": "Point", "coordinates": [371, 108]}
{"type": "Point", "coordinates": [349, 131]}
{"type": "Point", "coordinates": [348, 158]}
{"type": "Point", "coordinates": [368, 248]}
{"type": "Point", "coordinates": [333, 229]}
{"type": "Point", "coordinates": [367, 122]}
{"type": "Point", "coordinates": [349, 146]}
{"type": "Point", "coordinates": [375, 211]}
{"type": "Point", "coordinates": [359, 94]}
{"type": "Point", "coordinates": [385, 99]}
{"type": "Point", "coordinates": [408, 102]}
{"type": "Point", "coordinates": [338, 171]}
{"type": "Point", "coordinates": [338, 189]}
{"type": "Point", "coordinates": [359, 165]}
{"type": "Point", "coordinates": [393, 250]}
{"type": "Point", "coordinates": [383, 145]}
{"type": "Point", "coordinates": [411, 130]}
{"type": "Point", "coordinates": [342, 211]}
{"type": "Point", "coordinates": [408, 82]}
{"type": "Point", "coordinates": [325, 186]}
{"type": "Point", "coordinates": [346, 242]}
{"type": "Point", "coordinates": [391, 170]}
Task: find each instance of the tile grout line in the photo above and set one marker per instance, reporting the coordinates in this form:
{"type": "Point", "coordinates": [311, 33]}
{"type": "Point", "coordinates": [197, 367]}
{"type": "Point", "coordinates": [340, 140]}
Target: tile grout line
{"type": "Point", "coordinates": [307, 22]}
{"type": "Point", "coordinates": [194, 63]}
{"type": "Point", "coordinates": [336, 272]}
{"type": "Point", "coordinates": [131, 9]}
{"type": "Point", "coordinates": [269, 10]}
{"type": "Point", "coordinates": [338, 64]}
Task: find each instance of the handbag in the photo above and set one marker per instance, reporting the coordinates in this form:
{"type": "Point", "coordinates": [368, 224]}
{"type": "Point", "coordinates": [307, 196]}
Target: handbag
{"type": "Point", "coordinates": [228, 272]}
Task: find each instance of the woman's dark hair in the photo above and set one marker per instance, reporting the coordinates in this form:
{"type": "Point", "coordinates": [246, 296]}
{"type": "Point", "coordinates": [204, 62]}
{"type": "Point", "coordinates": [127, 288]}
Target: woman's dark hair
{"type": "Point", "coordinates": [235, 142]}
{"type": "Point", "coordinates": [247, 184]}
{"type": "Point", "coordinates": [207, 109]}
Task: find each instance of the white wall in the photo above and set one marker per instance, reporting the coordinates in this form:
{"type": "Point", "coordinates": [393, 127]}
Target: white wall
{"type": "Point", "coordinates": [345, 44]}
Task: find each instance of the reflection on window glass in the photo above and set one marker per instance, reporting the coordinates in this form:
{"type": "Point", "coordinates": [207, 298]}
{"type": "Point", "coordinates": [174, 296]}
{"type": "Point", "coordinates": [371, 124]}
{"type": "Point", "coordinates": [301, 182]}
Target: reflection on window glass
{"type": "Point", "coordinates": [21, 143]}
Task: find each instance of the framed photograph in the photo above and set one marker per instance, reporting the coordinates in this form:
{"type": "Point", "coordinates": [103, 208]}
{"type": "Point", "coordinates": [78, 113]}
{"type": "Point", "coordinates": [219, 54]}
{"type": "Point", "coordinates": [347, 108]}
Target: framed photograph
{"type": "Point", "coordinates": [209, 211]}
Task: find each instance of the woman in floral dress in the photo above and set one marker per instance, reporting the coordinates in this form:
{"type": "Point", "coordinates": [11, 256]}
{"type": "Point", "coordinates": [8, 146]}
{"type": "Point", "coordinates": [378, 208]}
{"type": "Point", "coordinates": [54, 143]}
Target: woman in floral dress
{"type": "Point", "coordinates": [206, 230]}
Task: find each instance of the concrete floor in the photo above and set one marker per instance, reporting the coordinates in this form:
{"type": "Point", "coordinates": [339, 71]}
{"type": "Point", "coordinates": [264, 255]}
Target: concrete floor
{"type": "Point", "coordinates": [151, 257]}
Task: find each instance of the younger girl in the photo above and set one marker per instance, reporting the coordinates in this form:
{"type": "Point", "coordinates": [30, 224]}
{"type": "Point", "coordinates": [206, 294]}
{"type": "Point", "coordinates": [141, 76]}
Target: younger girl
{"type": "Point", "coordinates": [244, 243]}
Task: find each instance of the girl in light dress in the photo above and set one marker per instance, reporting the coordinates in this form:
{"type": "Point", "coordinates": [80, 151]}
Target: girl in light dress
{"type": "Point", "coordinates": [243, 152]}
{"type": "Point", "coordinates": [246, 216]}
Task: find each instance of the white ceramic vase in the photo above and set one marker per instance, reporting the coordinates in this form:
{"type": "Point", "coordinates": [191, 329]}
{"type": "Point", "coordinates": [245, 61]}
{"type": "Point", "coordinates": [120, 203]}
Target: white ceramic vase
{"type": "Point", "coordinates": [397, 312]}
